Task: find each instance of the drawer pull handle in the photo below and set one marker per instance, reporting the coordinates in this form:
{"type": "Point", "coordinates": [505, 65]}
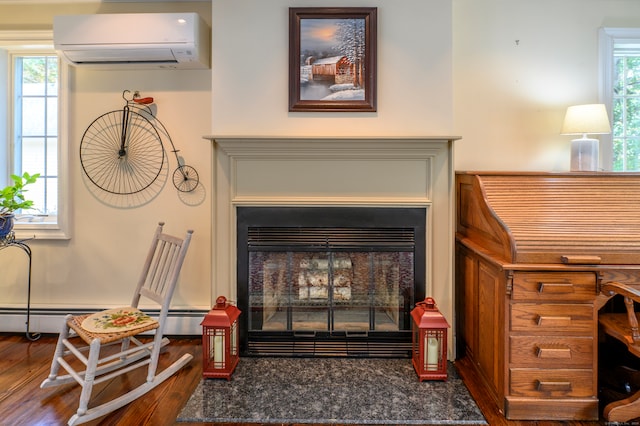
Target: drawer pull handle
{"type": "Point", "coordinates": [553, 352]}
{"type": "Point", "coordinates": [555, 288]}
{"type": "Point", "coordinates": [548, 321]}
{"type": "Point", "coordinates": [553, 386]}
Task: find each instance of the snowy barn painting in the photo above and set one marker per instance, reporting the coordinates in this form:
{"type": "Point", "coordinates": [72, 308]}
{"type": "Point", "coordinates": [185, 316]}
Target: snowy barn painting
{"type": "Point", "coordinates": [332, 59]}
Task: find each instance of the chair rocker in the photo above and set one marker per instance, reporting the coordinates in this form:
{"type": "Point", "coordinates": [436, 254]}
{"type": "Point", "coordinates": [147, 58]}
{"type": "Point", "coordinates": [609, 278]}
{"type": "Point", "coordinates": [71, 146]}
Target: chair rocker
{"type": "Point", "coordinates": [120, 326]}
{"type": "Point", "coordinates": [623, 327]}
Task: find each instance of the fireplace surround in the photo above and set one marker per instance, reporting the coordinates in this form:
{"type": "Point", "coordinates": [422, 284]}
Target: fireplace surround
{"type": "Point", "coordinates": [336, 172]}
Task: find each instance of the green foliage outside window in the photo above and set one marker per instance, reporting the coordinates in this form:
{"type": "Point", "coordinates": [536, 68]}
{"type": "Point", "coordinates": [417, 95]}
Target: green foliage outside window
{"type": "Point", "coordinates": [36, 69]}
{"type": "Point", "coordinates": [626, 114]}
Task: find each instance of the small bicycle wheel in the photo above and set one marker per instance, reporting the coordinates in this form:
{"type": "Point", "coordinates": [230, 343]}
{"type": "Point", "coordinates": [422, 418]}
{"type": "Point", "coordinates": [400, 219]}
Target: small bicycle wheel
{"type": "Point", "coordinates": [185, 178]}
{"type": "Point", "coordinates": [121, 152]}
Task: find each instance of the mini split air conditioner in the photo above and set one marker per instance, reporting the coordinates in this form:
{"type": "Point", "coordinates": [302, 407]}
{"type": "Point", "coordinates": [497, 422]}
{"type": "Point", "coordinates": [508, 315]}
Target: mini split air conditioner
{"type": "Point", "coordinates": [133, 40]}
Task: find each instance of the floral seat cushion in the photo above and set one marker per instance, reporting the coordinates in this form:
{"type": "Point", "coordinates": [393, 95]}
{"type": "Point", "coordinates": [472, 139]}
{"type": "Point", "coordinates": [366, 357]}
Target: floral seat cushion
{"type": "Point", "coordinates": [117, 320]}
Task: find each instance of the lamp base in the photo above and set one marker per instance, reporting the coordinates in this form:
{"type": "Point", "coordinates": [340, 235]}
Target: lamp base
{"type": "Point", "coordinates": [584, 155]}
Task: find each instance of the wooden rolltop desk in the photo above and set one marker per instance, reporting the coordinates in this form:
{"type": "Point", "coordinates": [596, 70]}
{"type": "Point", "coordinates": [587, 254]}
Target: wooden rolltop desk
{"type": "Point", "coordinates": [532, 250]}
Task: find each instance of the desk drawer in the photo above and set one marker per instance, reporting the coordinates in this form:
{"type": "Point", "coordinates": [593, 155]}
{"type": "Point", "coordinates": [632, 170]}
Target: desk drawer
{"type": "Point", "coordinates": [554, 286]}
{"type": "Point", "coordinates": [556, 383]}
{"type": "Point", "coordinates": [546, 351]}
{"type": "Point", "coordinates": [545, 318]}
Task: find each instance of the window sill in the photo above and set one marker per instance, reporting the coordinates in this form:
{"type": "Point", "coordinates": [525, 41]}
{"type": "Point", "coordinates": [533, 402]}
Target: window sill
{"type": "Point", "coordinates": [41, 231]}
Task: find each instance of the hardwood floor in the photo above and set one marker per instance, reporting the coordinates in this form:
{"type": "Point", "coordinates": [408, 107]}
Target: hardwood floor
{"type": "Point", "coordinates": [24, 364]}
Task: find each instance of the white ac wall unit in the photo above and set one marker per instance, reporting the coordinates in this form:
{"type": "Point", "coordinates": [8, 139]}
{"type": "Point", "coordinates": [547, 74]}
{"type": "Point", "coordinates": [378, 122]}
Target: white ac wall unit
{"type": "Point", "coordinates": [133, 40]}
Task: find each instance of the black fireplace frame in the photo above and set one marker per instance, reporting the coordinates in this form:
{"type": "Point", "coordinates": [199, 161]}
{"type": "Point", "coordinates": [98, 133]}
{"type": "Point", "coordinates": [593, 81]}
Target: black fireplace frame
{"type": "Point", "coordinates": [371, 344]}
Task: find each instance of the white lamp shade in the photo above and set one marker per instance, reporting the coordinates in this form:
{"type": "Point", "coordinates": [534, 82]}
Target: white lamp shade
{"type": "Point", "coordinates": [583, 119]}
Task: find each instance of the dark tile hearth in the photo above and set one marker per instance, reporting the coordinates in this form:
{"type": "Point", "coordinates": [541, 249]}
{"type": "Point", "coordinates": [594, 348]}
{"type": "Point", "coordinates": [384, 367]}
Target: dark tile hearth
{"type": "Point", "coordinates": [330, 391]}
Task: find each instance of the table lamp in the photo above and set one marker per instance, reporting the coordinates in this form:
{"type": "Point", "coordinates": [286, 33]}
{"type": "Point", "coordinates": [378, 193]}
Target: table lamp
{"type": "Point", "coordinates": [583, 120]}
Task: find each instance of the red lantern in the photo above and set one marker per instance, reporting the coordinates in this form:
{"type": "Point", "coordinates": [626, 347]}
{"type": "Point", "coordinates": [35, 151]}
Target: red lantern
{"type": "Point", "coordinates": [220, 342]}
{"type": "Point", "coordinates": [429, 342]}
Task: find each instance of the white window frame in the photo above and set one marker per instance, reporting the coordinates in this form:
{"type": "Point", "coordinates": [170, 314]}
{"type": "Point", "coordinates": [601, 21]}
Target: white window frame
{"type": "Point", "coordinates": [607, 39]}
{"type": "Point", "coordinates": [31, 41]}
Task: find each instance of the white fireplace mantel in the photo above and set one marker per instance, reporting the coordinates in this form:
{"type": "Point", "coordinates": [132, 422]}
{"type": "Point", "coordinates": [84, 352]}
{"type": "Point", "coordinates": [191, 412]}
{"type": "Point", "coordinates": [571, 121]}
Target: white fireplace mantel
{"type": "Point", "coordinates": [337, 171]}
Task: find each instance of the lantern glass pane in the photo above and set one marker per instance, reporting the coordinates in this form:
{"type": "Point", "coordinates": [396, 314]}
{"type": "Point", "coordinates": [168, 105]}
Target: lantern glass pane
{"type": "Point", "coordinates": [234, 338]}
{"type": "Point", "coordinates": [432, 350]}
{"type": "Point", "coordinates": [217, 353]}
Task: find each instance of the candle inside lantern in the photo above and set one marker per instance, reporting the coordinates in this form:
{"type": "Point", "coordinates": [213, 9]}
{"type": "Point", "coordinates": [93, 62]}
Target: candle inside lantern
{"type": "Point", "coordinates": [217, 351]}
{"type": "Point", "coordinates": [432, 353]}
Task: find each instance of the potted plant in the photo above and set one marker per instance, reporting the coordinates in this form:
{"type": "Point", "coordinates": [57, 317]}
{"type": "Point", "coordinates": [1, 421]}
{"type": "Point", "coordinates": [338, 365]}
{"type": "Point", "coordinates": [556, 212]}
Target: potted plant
{"type": "Point", "coordinates": [12, 199]}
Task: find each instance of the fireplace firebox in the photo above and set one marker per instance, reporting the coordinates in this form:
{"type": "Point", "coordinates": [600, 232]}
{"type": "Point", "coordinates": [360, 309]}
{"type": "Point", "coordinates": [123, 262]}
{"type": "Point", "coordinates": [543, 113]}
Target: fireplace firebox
{"type": "Point", "coordinates": [329, 281]}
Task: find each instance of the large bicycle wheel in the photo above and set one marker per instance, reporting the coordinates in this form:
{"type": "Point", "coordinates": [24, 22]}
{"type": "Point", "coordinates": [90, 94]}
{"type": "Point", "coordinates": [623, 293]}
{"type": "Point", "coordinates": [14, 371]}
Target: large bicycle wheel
{"type": "Point", "coordinates": [121, 152]}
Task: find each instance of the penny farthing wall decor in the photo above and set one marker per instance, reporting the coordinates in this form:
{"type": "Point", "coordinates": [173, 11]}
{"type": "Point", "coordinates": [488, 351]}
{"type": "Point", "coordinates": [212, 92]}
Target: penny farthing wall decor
{"type": "Point", "coordinates": [121, 151]}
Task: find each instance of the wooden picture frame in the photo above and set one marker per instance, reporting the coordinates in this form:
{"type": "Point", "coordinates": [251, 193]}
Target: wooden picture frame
{"type": "Point", "coordinates": [332, 59]}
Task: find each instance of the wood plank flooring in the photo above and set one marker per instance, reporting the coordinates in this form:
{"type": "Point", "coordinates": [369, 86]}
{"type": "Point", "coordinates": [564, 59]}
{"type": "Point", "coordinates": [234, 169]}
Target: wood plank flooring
{"type": "Point", "coordinates": [24, 364]}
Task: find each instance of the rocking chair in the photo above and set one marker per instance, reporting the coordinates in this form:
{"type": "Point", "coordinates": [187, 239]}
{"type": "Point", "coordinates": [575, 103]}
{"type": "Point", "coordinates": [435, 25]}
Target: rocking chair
{"type": "Point", "coordinates": [623, 327]}
{"type": "Point", "coordinates": [120, 327]}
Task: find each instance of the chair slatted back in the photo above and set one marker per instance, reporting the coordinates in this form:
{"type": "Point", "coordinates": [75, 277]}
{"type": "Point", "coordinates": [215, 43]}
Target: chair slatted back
{"type": "Point", "coordinates": [162, 268]}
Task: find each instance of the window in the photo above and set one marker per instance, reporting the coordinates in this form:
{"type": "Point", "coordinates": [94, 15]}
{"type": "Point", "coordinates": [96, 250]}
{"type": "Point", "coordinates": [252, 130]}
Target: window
{"type": "Point", "coordinates": [620, 70]}
{"type": "Point", "coordinates": [35, 124]}
{"type": "Point", "coordinates": [31, 103]}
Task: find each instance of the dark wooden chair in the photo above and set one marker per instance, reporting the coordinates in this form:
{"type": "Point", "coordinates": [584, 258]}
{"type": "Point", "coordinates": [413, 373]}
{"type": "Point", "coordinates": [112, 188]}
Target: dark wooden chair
{"type": "Point", "coordinates": [623, 327]}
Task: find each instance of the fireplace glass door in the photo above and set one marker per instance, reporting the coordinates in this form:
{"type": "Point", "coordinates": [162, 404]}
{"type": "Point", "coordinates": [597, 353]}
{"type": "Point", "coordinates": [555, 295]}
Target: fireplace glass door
{"type": "Point", "coordinates": [329, 291]}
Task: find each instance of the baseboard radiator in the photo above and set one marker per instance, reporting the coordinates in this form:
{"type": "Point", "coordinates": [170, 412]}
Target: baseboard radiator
{"type": "Point", "coordinates": [179, 322]}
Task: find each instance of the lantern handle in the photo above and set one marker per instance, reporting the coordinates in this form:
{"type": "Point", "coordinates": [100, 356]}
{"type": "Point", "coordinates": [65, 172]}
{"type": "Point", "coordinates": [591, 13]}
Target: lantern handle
{"type": "Point", "coordinates": [428, 303]}
{"type": "Point", "coordinates": [221, 302]}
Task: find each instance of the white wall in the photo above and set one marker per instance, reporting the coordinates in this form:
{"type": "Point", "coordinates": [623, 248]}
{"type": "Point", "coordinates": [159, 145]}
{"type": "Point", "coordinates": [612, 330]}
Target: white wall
{"type": "Point", "coordinates": [446, 67]}
{"type": "Point", "coordinates": [250, 71]}
{"type": "Point", "coordinates": [518, 65]}
{"type": "Point", "coordinates": [111, 232]}
{"type": "Point", "coordinates": [98, 267]}
{"type": "Point", "coordinates": [498, 73]}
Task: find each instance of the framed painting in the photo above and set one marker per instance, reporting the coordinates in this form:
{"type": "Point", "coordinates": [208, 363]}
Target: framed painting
{"type": "Point", "coordinates": [332, 59]}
